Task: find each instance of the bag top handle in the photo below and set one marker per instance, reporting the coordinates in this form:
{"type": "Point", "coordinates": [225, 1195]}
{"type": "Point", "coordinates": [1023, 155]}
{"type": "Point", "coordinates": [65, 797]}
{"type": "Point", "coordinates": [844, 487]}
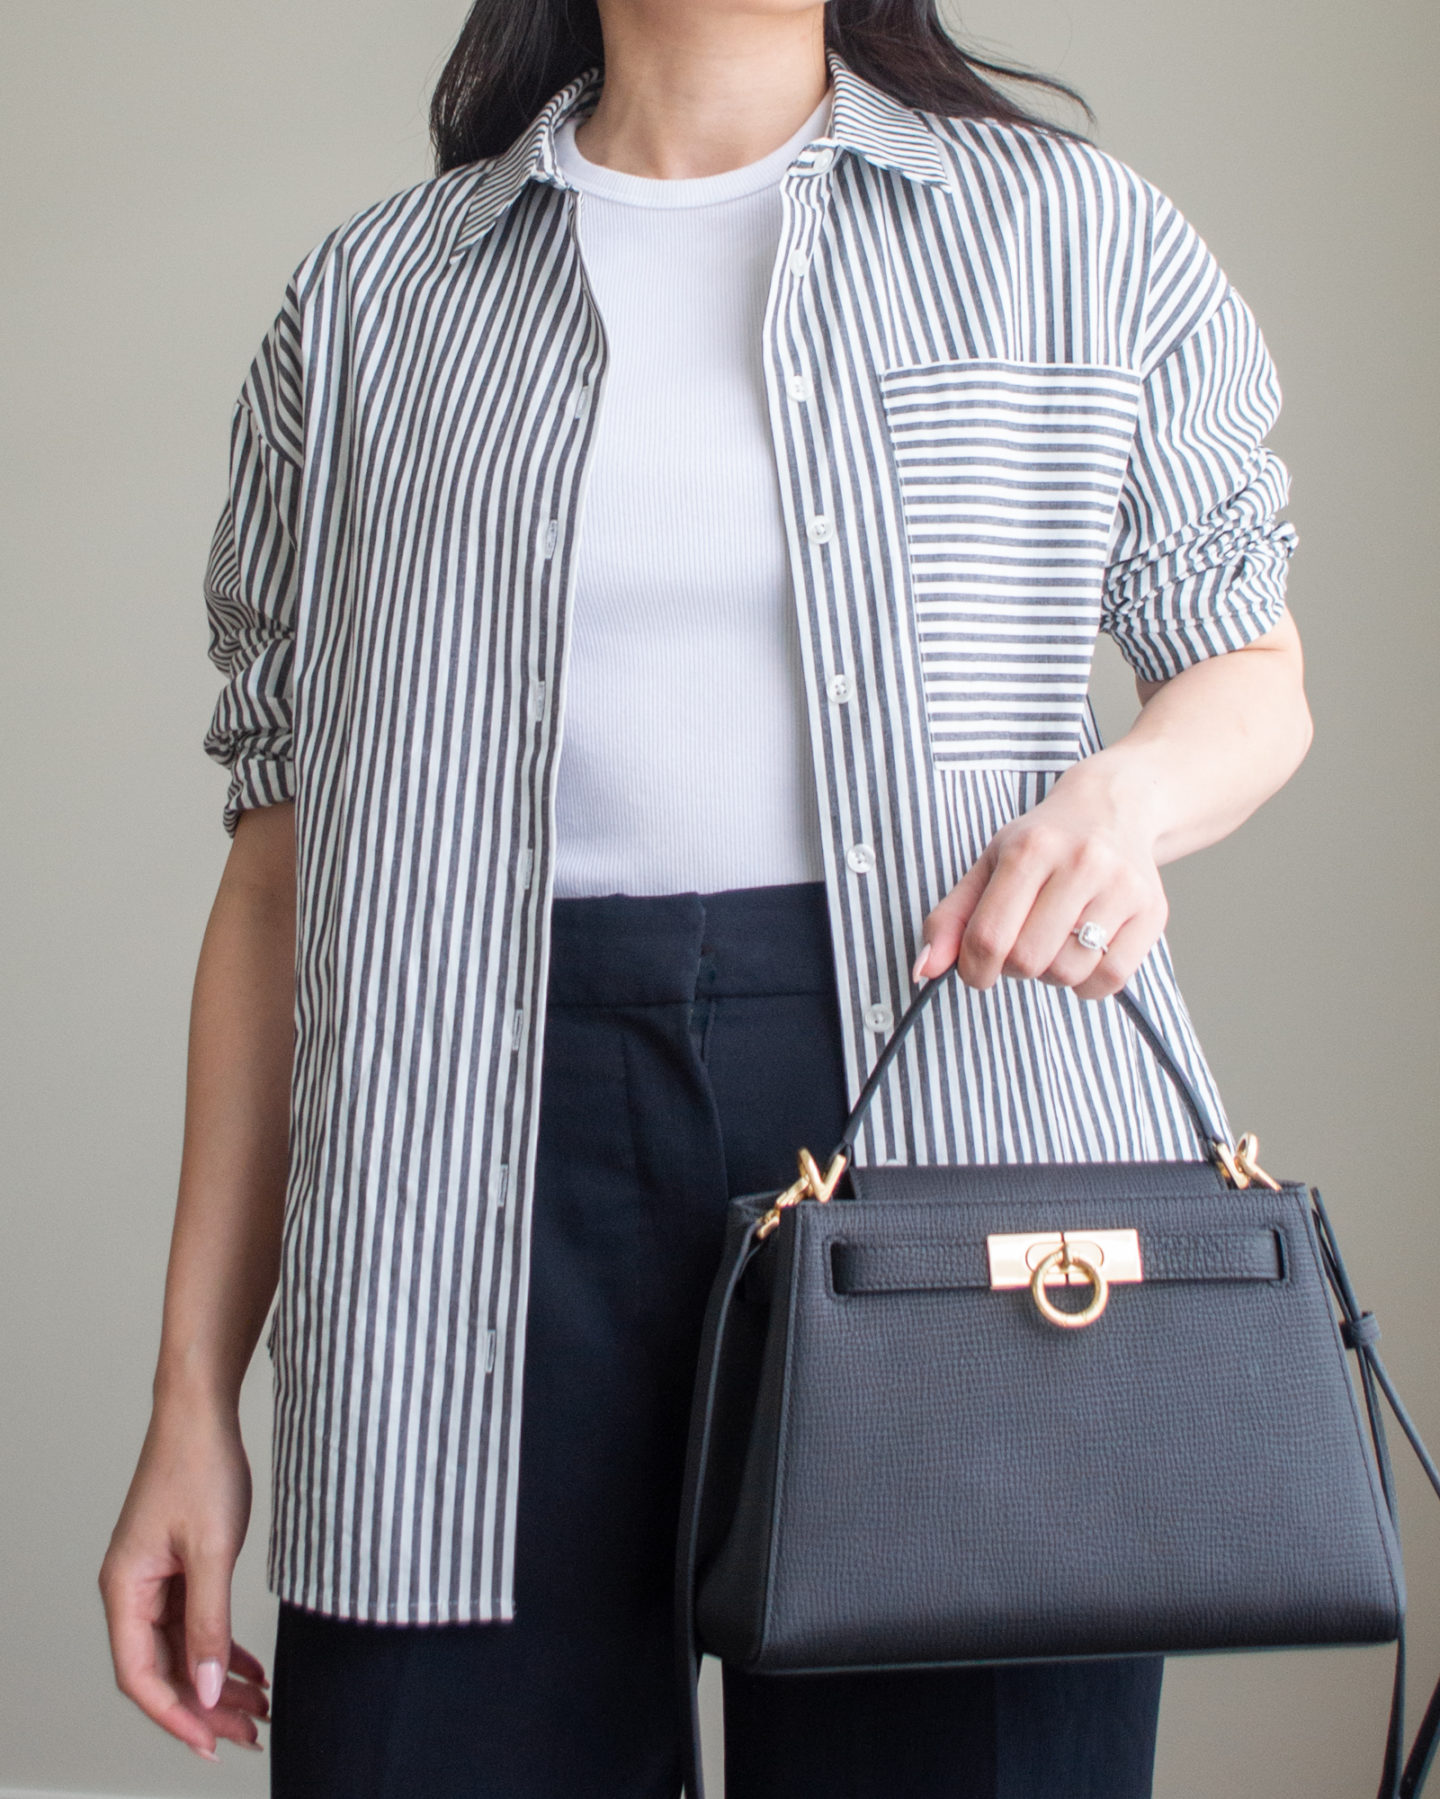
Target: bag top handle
{"type": "Point", "coordinates": [1206, 1128]}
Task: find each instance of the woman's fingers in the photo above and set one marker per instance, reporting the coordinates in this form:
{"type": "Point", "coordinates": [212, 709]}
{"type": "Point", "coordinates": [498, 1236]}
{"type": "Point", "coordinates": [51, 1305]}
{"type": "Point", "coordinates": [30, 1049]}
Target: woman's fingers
{"type": "Point", "coordinates": [978, 920]}
{"type": "Point", "coordinates": [945, 926]}
{"type": "Point", "coordinates": [1045, 948]}
{"type": "Point", "coordinates": [136, 1600]}
{"type": "Point", "coordinates": [1016, 910]}
{"type": "Point", "coordinates": [1025, 864]}
{"type": "Point", "coordinates": [234, 1725]}
{"type": "Point", "coordinates": [1128, 949]}
{"type": "Point", "coordinates": [246, 1666]}
{"type": "Point", "coordinates": [244, 1696]}
{"type": "Point", "coordinates": [1072, 964]}
{"type": "Point", "coordinates": [166, 1622]}
{"type": "Point", "coordinates": [207, 1620]}
{"type": "Point", "coordinates": [199, 1632]}
{"type": "Point", "coordinates": [1124, 914]}
{"type": "Point", "coordinates": [235, 1716]}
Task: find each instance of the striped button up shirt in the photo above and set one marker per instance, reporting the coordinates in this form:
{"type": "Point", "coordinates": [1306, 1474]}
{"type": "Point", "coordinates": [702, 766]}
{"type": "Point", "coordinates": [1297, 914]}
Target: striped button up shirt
{"type": "Point", "coordinates": [1013, 400]}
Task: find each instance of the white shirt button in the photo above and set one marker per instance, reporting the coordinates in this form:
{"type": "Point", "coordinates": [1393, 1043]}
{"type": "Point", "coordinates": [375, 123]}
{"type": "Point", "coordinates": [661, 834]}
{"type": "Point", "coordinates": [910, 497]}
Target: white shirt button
{"type": "Point", "coordinates": [537, 697]}
{"type": "Point", "coordinates": [799, 388]}
{"type": "Point", "coordinates": [820, 529]}
{"type": "Point", "coordinates": [797, 262]}
{"type": "Point", "coordinates": [861, 858]}
{"type": "Point", "coordinates": [879, 1018]}
{"type": "Point", "coordinates": [824, 160]}
{"type": "Point", "coordinates": [841, 688]}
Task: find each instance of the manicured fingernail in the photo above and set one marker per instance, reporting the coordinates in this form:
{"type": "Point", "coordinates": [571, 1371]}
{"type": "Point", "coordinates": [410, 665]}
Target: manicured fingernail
{"type": "Point", "coordinates": [209, 1679]}
{"type": "Point", "coordinates": [245, 1743]}
{"type": "Point", "coordinates": [917, 972]}
{"type": "Point", "coordinates": [206, 1755]}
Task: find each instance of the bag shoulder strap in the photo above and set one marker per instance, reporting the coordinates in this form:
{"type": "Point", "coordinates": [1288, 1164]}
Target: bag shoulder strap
{"type": "Point", "coordinates": [1360, 1331]}
{"type": "Point", "coordinates": [739, 1252]}
{"type": "Point", "coordinates": [1206, 1127]}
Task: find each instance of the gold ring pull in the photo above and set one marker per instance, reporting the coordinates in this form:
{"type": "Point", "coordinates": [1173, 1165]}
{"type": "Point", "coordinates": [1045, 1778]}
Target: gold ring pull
{"type": "Point", "coordinates": [1065, 1257]}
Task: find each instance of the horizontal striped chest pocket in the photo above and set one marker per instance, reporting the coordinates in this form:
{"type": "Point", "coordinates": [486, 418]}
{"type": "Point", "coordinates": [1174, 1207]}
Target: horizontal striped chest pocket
{"type": "Point", "coordinates": [1010, 475]}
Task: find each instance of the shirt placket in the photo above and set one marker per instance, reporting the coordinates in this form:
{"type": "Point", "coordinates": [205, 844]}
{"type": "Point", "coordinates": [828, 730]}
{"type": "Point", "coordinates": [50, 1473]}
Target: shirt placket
{"type": "Point", "coordinates": [553, 529]}
{"type": "Point", "coordinates": [858, 859]}
{"type": "Point", "coordinates": [556, 528]}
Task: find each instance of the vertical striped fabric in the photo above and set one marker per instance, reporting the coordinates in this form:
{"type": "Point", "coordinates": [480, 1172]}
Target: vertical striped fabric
{"type": "Point", "coordinates": [1013, 401]}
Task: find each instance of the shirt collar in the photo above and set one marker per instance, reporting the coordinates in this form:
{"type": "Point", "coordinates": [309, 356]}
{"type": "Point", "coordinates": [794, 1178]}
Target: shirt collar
{"type": "Point", "coordinates": [863, 119]}
{"type": "Point", "coordinates": [882, 130]}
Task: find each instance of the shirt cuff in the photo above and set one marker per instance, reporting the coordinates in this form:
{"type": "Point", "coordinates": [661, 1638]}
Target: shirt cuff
{"type": "Point", "coordinates": [258, 780]}
{"type": "Point", "coordinates": [1186, 607]}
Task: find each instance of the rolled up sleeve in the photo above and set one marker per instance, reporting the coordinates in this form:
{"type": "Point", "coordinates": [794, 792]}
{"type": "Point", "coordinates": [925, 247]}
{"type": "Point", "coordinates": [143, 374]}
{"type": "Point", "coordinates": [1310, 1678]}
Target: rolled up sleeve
{"type": "Point", "coordinates": [250, 586]}
{"type": "Point", "coordinates": [1199, 555]}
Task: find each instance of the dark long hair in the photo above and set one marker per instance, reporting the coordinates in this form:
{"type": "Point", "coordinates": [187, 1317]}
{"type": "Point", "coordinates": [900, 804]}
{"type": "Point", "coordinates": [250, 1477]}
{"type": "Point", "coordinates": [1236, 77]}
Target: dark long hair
{"type": "Point", "coordinates": [514, 54]}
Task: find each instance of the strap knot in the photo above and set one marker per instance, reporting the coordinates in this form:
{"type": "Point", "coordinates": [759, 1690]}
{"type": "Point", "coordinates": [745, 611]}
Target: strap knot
{"type": "Point", "coordinates": [1361, 1332]}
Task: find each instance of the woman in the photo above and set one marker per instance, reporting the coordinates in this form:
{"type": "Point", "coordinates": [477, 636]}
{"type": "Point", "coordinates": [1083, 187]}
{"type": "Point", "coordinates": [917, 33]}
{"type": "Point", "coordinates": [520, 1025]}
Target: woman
{"type": "Point", "coordinates": [782, 413]}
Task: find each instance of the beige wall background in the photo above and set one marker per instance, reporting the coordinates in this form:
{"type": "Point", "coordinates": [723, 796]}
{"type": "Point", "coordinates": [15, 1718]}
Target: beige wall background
{"type": "Point", "coordinates": [166, 163]}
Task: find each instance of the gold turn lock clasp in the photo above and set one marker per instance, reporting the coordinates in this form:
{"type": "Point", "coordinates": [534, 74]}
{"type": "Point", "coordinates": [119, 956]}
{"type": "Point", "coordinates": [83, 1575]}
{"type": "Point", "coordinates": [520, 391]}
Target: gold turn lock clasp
{"type": "Point", "coordinates": [1041, 1259]}
{"type": "Point", "coordinates": [811, 1185]}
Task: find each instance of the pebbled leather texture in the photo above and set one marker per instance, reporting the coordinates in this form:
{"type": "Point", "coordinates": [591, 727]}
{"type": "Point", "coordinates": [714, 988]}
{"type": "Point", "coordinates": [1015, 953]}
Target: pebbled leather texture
{"type": "Point", "coordinates": [936, 1474]}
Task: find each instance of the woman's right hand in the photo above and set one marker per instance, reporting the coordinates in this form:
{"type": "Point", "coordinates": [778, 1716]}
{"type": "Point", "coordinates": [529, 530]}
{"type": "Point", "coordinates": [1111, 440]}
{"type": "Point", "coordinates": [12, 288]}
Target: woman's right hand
{"type": "Point", "coordinates": [166, 1582]}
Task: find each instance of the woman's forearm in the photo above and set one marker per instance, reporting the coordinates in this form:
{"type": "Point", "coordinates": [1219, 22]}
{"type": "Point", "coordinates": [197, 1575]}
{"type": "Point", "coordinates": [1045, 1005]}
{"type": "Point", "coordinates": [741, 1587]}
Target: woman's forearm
{"type": "Point", "coordinates": [166, 1575]}
{"type": "Point", "coordinates": [1208, 747]}
{"type": "Point", "coordinates": [224, 1256]}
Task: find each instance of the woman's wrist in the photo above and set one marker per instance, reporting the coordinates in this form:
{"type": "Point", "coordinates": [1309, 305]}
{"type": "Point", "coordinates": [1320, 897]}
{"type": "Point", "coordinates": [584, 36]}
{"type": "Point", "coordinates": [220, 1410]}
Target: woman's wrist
{"type": "Point", "coordinates": [195, 1387]}
{"type": "Point", "coordinates": [1121, 790]}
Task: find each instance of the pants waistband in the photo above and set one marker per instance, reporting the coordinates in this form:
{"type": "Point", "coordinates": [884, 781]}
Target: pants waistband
{"type": "Point", "coordinates": [666, 949]}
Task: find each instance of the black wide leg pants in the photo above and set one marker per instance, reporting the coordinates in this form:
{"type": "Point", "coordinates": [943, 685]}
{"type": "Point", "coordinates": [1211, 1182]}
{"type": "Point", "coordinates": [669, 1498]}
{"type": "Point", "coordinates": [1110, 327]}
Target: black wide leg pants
{"type": "Point", "coordinates": [692, 1044]}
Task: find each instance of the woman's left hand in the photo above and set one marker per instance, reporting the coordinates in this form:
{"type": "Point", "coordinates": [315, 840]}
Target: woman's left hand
{"type": "Point", "coordinates": [1209, 745]}
{"type": "Point", "coordinates": [1083, 855]}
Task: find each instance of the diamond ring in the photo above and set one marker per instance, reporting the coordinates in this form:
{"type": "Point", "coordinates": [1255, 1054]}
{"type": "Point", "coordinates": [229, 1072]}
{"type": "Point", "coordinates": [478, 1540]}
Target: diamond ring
{"type": "Point", "coordinates": [1090, 936]}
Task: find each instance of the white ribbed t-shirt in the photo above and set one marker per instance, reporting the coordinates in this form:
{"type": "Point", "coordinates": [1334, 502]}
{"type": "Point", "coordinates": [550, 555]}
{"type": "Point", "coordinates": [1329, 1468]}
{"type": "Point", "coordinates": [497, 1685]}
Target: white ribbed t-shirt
{"type": "Point", "coordinates": [686, 764]}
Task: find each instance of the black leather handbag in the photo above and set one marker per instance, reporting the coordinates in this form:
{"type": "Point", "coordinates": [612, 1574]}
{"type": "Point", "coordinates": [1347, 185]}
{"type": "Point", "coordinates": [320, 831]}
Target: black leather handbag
{"type": "Point", "coordinates": [960, 1415]}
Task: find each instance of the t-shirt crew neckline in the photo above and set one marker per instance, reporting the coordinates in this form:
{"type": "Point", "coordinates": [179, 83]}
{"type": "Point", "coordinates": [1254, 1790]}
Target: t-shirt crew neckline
{"type": "Point", "coordinates": [697, 190]}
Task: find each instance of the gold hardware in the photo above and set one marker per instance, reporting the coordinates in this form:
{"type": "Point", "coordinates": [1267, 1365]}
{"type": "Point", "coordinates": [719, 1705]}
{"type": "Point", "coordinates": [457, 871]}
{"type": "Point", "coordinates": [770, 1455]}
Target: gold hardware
{"type": "Point", "coordinates": [1224, 1158]}
{"type": "Point", "coordinates": [811, 1185]}
{"type": "Point", "coordinates": [1015, 1256]}
{"type": "Point", "coordinates": [1241, 1165]}
{"type": "Point", "coordinates": [1065, 1258]}
{"type": "Point", "coordinates": [1247, 1152]}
